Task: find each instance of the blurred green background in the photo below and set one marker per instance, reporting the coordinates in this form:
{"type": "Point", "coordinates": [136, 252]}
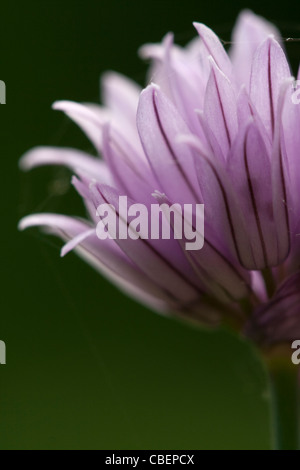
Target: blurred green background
{"type": "Point", "coordinates": [88, 368]}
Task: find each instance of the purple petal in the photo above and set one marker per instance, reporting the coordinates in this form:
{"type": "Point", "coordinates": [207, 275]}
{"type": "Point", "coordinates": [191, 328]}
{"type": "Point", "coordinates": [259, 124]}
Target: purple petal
{"type": "Point", "coordinates": [217, 272]}
{"type": "Point", "coordinates": [213, 146]}
{"type": "Point", "coordinates": [281, 182]}
{"type": "Point", "coordinates": [278, 321]}
{"type": "Point", "coordinates": [149, 255]}
{"type": "Point", "coordinates": [159, 123]}
{"type": "Point", "coordinates": [86, 118]}
{"type": "Point", "coordinates": [182, 79]}
{"type": "Point", "coordinates": [104, 256]}
{"type": "Point", "coordinates": [269, 70]}
{"type": "Point", "coordinates": [220, 111]}
{"type": "Point", "coordinates": [249, 32]}
{"type": "Point", "coordinates": [71, 158]}
{"type": "Point", "coordinates": [247, 112]}
{"type": "Point", "coordinates": [120, 95]}
{"type": "Point", "coordinates": [133, 178]}
{"type": "Point", "coordinates": [290, 144]}
{"type": "Point", "coordinates": [214, 48]}
{"type": "Point", "coordinates": [250, 173]}
{"type": "Point", "coordinates": [222, 210]}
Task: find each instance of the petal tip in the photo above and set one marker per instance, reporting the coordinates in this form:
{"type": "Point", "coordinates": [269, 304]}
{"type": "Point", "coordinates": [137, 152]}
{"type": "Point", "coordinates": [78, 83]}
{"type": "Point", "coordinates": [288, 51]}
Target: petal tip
{"type": "Point", "coordinates": [24, 163]}
{"type": "Point", "coordinates": [22, 224]}
{"type": "Point", "coordinates": [60, 105]}
{"type": "Point", "coordinates": [152, 87]}
{"type": "Point", "coordinates": [63, 251]}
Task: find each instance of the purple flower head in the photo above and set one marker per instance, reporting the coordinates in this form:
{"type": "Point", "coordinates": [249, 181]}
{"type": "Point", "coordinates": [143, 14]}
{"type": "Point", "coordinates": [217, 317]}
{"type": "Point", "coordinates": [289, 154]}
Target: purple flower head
{"type": "Point", "coordinates": [213, 128]}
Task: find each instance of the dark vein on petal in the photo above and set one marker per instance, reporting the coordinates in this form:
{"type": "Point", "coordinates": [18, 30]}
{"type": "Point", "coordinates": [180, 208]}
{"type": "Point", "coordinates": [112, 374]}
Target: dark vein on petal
{"type": "Point", "coordinates": [270, 90]}
{"type": "Point", "coordinates": [127, 160]}
{"type": "Point", "coordinates": [228, 213]}
{"type": "Point", "coordinates": [222, 111]}
{"type": "Point", "coordinates": [254, 205]}
{"type": "Point", "coordinates": [224, 259]}
{"type": "Point", "coordinates": [211, 52]}
{"type": "Point", "coordinates": [164, 260]}
{"type": "Point", "coordinates": [286, 212]}
{"type": "Point", "coordinates": [170, 295]}
{"type": "Point", "coordinates": [181, 170]}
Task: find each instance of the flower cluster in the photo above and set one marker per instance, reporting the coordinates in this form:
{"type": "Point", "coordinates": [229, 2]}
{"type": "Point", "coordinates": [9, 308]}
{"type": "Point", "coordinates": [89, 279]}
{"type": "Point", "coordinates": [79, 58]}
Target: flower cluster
{"type": "Point", "coordinates": [213, 128]}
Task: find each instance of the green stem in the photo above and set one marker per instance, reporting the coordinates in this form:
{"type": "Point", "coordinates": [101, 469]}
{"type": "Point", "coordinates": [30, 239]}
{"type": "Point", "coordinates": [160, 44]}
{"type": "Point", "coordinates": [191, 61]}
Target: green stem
{"type": "Point", "coordinates": [285, 403]}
